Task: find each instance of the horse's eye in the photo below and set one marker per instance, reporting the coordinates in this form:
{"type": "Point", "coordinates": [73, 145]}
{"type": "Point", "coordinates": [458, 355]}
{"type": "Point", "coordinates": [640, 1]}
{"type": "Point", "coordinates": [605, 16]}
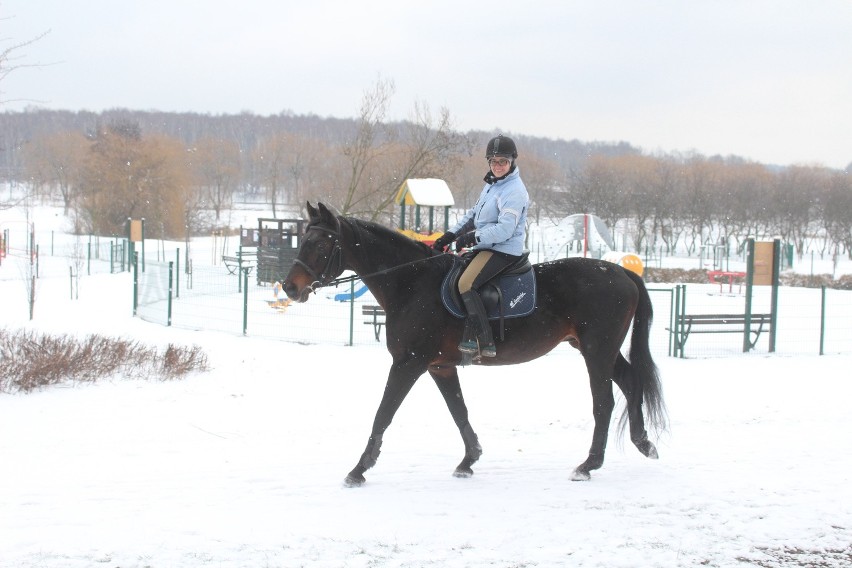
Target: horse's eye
{"type": "Point", "coordinates": [323, 246]}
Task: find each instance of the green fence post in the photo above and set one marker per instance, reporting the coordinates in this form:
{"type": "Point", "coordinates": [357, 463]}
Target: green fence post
{"type": "Point", "coordinates": [773, 310]}
{"type": "Point", "coordinates": [177, 272]}
{"type": "Point", "coordinates": [673, 330]}
{"type": "Point", "coordinates": [135, 285]}
{"type": "Point", "coordinates": [171, 278]}
{"type": "Point", "coordinates": [143, 244]}
{"type": "Point", "coordinates": [351, 313]}
{"type": "Point", "coordinates": [822, 324]}
{"type": "Point", "coordinates": [680, 348]}
{"type": "Point", "coordinates": [749, 289]}
{"type": "Point", "coordinates": [245, 272]}
{"type": "Point", "coordinates": [672, 321]}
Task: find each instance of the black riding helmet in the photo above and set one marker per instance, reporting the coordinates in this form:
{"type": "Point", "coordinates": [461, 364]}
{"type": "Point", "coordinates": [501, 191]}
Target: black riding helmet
{"type": "Point", "coordinates": [501, 147]}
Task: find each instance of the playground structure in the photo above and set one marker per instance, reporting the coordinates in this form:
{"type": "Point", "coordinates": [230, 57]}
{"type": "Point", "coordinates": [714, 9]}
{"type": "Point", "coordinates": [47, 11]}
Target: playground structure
{"type": "Point", "coordinates": [580, 234]}
{"type": "Point", "coordinates": [586, 235]}
{"type": "Point", "coordinates": [275, 242]}
{"type": "Point", "coordinates": [416, 194]}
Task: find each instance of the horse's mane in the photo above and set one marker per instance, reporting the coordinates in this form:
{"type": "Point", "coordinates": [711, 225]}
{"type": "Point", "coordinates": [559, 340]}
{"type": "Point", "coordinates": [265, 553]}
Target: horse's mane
{"type": "Point", "coordinates": [393, 236]}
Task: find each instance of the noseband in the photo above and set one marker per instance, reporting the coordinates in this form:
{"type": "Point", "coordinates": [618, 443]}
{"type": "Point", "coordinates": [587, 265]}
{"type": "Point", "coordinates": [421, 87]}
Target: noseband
{"type": "Point", "coordinates": [333, 266]}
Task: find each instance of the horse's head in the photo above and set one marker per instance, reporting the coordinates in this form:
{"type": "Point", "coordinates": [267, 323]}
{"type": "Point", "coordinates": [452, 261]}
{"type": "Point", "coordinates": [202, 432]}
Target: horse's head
{"type": "Point", "coordinates": [319, 260]}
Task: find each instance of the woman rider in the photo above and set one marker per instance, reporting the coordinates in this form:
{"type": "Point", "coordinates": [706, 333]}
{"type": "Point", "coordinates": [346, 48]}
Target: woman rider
{"type": "Point", "coordinates": [493, 230]}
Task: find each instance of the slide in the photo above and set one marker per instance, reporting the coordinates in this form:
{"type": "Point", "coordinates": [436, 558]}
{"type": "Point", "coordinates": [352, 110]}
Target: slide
{"type": "Point", "coordinates": [346, 296]}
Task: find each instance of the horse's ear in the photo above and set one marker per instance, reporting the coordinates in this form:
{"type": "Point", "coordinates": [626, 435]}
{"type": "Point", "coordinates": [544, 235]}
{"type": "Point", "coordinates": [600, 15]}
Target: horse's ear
{"type": "Point", "coordinates": [327, 215]}
{"type": "Point", "coordinates": [330, 217]}
{"type": "Point", "coordinates": [313, 214]}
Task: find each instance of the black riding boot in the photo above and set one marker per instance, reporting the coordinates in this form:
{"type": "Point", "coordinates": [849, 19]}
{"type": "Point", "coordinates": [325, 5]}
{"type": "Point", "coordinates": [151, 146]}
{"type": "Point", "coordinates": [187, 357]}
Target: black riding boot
{"type": "Point", "coordinates": [477, 319]}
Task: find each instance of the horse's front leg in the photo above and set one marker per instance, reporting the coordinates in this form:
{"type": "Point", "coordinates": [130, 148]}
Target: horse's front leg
{"type": "Point", "coordinates": [447, 379]}
{"type": "Point", "coordinates": [401, 378]}
{"type": "Point", "coordinates": [600, 379]}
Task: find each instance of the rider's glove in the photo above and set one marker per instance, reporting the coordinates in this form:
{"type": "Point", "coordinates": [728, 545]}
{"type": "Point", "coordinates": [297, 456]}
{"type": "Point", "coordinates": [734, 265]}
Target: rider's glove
{"type": "Point", "coordinates": [467, 240]}
{"type": "Point", "coordinates": [443, 241]}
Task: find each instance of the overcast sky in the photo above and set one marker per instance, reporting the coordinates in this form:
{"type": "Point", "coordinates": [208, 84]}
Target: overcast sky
{"type": "Point", "coordinates": [768, 80]}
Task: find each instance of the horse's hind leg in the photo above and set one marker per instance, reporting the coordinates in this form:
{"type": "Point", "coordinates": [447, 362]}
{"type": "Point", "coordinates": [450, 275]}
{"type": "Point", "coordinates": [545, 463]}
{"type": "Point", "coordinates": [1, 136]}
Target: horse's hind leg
{"type": "Point", "coordinates": [400, 380]}
{"type": "Point", "coordinates": [633, 394]}
{"type": "Point", "coordinates": [600, 379]}
{"type": "Point", "coordinates": [447, 379]}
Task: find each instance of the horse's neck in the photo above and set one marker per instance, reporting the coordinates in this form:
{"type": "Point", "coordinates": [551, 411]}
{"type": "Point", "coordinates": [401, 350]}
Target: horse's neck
{"type": "Point", "coordinates": [378, 248]}
{"type": "Point", "coordinates": [376, 252]}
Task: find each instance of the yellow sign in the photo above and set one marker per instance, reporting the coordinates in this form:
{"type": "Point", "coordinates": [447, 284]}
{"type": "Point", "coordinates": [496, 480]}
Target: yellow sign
{"type": "Point", "coordinates": [764, 257]}
{"type": "Point", "coordinates": [136, 230]}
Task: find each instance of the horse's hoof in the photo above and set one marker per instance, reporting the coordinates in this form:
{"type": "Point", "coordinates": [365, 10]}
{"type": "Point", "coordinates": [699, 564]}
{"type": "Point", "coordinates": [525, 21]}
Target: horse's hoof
{"type": "Point", "coordinates": [463, 472]}
{"type": "Point", "coordinates": [648, 449]}
{"type": "Point", "coordinates": [580, 475]}
{"type": "Point", "coordinates": [354, 480]}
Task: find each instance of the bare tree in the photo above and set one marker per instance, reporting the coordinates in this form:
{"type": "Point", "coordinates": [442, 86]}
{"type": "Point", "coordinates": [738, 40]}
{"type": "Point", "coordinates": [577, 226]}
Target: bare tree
{"type": "Point", "coordinates": [216, 166]}
{"type": "Point", "coordinates": [11, 58]}
{"type": "Point", "coordinates": [380, 157]}
{"type": "Point", "coordinates": [368, 144]}
{"type": "Point", "coordinates": [127, 176]}
{"type": "Point", "coordinates": [55, 160]}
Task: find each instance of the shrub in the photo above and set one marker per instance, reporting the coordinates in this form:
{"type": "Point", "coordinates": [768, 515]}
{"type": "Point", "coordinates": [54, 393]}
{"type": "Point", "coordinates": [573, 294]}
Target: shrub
{"type": "Point", "coordinates": [699, 276]}
{"type": "Point", "coordinates": [31, 360]}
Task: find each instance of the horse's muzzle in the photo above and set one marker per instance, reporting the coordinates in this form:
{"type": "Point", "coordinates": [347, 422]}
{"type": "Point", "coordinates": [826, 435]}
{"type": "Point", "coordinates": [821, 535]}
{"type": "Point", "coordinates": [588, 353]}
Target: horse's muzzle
{"type": "Point", "coordinates": [295, 292]}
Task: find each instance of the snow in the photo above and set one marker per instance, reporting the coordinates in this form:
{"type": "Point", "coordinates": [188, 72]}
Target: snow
{"type": "Point", "coordinates": [243, 465]}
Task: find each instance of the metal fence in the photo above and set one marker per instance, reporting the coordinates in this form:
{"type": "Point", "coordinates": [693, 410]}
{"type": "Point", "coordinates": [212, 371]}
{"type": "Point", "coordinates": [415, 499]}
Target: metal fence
{"type": "Point", "coordinates": [810, 321]}
{"type": "Point", "coordinates": [807, 320]}
{"type": "Point", "coordinates": [211, 298]}
{"type": "Point", "coordinates": [84, 256]}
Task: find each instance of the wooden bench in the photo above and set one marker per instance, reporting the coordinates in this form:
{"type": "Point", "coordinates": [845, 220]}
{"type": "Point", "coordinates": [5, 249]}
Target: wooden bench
{"type": "Point", "coordinates": [374, 313]}
{"type": "Point", "coordinates": [238, 261]}
{"type": "Point", "coordinates": [720, 323]}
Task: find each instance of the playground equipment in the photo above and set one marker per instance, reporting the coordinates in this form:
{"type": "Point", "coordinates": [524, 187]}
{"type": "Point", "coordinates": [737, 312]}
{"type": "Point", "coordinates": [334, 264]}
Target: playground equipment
{"type": "Point", "coordinates": [277, 241]}
{"type": "Point", "coordinates": [347, 296]}
{"type": "Point", "coordinates": [430, 193]}
{"type": "Point", "coordinates": [581, 234]}
{"type": "Point", "coordinates": [584, 234]}
{"type": "Point", "coordinates": [280, 300]}
{"type": "Point", "coordinates": [628, 260]}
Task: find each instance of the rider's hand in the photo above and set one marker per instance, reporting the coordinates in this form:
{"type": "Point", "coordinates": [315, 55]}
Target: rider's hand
{"type": "Point", "coordinates": [467, 240]}
{"type": "Point", "coordinates": [443, 241]}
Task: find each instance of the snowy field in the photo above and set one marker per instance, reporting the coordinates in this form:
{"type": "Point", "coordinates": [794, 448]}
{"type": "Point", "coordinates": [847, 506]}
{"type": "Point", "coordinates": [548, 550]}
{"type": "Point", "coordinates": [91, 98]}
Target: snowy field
{"type": "Point", "coordinates": [242, 466]}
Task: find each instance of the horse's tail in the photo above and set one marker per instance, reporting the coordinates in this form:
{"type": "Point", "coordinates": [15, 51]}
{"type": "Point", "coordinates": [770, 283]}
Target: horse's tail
{"type": "Point", "coordinates": [646, 376]}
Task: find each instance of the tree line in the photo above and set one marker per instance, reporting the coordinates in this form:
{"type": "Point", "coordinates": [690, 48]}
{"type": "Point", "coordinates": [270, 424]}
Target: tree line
{"type": "Point", "coordinates": [183, 172]}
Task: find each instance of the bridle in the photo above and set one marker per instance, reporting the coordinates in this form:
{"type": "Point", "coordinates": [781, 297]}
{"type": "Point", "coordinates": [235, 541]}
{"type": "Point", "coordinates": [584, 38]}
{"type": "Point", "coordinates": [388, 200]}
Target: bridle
{"type": "Point", "coordinates": [334, 264]}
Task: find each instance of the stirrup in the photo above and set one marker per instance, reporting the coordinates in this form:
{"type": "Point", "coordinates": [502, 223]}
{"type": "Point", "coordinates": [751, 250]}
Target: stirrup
{"type": "Point", "coordinates": [488, 350]}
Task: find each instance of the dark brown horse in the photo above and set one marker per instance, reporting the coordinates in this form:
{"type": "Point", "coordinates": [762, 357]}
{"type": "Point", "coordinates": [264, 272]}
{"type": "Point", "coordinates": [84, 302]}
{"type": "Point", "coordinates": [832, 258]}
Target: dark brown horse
{"type": "Point", "coordinates": [588, 303]}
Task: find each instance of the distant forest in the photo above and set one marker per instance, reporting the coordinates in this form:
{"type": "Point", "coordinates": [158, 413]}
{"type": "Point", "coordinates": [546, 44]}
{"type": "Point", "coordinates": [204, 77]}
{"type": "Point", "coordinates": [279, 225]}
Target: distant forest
{"type": "Point", "coordinates": [181, 171]}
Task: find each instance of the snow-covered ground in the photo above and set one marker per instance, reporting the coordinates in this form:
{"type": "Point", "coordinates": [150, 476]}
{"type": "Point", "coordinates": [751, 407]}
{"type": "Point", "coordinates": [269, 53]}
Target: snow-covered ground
{"type": "Point", "coordinates": [243, 465]}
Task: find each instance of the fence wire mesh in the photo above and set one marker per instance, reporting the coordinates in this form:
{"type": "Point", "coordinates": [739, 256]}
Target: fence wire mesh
{"type": "Point", "coordinates": [210, 298]}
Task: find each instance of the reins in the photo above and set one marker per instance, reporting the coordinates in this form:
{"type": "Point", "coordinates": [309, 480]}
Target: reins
{"type": "Point", "coordinates": [354, 277]}
{"type": "Point", "coordinates": [337, 255]}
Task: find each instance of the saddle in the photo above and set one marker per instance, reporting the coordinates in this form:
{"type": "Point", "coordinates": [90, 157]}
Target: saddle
{"type": "Point", "coordinates": [510, 294]}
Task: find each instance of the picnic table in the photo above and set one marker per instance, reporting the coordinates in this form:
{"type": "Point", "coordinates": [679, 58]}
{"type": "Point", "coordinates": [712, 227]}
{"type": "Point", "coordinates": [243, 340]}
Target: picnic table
{"type": "Point", "coordinates": [715, 275]}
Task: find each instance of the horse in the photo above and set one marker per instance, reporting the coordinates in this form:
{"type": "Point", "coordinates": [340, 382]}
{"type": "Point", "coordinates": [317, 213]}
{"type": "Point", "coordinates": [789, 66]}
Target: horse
{"type": "Point", "coordinates": [588, 303]}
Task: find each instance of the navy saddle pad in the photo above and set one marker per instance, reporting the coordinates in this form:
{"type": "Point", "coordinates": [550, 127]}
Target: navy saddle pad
{"type": "Point", "coordinates": [511, 294]}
